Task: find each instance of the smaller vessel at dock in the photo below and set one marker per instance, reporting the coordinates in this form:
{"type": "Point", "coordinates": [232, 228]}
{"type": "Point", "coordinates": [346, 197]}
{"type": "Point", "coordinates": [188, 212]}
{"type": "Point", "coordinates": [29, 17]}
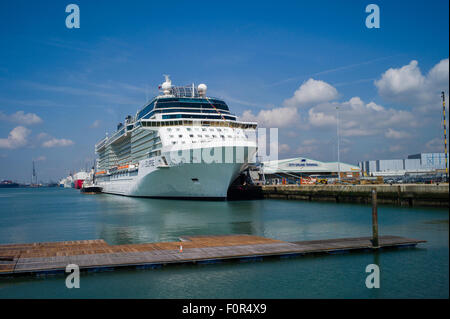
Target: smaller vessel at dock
{"type": "Point", "coordinates": [8, 184]}
{"type": "Point", "coordinates": [89, 187]}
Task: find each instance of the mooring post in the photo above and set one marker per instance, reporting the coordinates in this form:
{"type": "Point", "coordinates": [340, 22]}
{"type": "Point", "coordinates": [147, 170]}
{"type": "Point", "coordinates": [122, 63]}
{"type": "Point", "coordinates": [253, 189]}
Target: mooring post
{"type": "Point", "coordinates": [374, 219]}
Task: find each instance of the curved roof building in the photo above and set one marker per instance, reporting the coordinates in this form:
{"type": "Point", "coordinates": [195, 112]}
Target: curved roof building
{"type": "Point", "coordinates": [305, 166]}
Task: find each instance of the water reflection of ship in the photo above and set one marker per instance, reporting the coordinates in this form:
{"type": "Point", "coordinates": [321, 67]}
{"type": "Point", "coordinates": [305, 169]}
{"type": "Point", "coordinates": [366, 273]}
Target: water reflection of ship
{"type": "Point", "coordinates": [138, 220]}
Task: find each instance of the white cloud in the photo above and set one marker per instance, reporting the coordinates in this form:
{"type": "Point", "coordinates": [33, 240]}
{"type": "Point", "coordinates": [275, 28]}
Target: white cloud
{"type": "Point", "coordinates": [16, 138]}
{"type": "Point", "coordinates": [390, 133]}
{"type": "Point", "coordinates": [54, 142]}
{"type": "Point", "coordinates": [310, 142]}
{"type": "Point", "coordinates": [435, 145]}
{"type": "Point", "coordinates": [312, 92]}
{"type": "Point", "coordinates": [309, 147]}
{"type": "Point", "coordinates": [292, 133]}
{"type": "Point", "coordinates": [395, 148]}
{"type": "Point", "coordinates": [95, 124]}
{"type": "Point", "coordinates": [277, 117]}
{"type": "Point", "coordinates": [42, 136]}
{"type": "Point", "coordinates": [284, 148]}
{"type": "Point", "coordinates": [113, 95]}
{"type": "Point", "coordinates": [438, 75]}
{"type": "Point", "coordinates": [402, 80]}
{"type": "Point", "coordinates": [359, 121]}
{"type": "Point", "coordinates": [408, 85]}
{"type": "Point", "coordinates": [321, 118]}
{"type": "Point", "coordinates": [304, 150]}
{"type": "Point", "coordinates": [22, 118]}
{"type": "Point", "coordinates": [356, 118]}
{"type": "Point", "coordinates": [375, 107]}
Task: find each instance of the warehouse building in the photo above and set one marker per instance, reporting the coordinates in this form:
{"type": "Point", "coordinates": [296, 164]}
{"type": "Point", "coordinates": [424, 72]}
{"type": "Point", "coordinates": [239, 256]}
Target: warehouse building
{"type": "Point", "coordinates": [297, 167]}
{"type": "Point", "coordinates": [421, 163]}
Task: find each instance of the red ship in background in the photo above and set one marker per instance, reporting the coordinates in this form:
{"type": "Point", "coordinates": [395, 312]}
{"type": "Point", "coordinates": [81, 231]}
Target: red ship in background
{"type": "Point", "coordinates": [79, 178]}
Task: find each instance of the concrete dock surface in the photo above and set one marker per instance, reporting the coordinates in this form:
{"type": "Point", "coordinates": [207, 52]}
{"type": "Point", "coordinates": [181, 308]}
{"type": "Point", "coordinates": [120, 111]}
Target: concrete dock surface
{"type": "Point", "coordinates": [398, 194]}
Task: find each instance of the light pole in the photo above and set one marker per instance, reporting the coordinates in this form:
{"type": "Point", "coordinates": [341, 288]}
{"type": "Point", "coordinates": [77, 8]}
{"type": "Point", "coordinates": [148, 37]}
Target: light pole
{"type": "Point", "coordinates": [338, 153]}
{"type": "Point", "coordinates": [445, 136]}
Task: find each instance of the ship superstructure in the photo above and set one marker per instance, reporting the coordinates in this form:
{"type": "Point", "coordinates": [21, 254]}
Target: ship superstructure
{"type": "Point", "coordinates": [181, 144]}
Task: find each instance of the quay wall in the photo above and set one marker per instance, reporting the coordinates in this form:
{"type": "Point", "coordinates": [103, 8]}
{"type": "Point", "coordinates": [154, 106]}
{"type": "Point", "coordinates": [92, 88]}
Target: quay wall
{"type": "Point", "coordinates": [399, 194]}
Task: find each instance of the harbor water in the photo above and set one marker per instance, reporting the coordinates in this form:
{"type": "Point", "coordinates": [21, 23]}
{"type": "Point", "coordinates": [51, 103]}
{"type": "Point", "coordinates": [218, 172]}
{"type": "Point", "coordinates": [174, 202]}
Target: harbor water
{"type": "Point", "coordinates": [56, 214]}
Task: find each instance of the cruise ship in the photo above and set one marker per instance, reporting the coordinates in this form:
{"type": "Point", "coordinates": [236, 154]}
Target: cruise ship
{"type": "Point", "coordinates": [182, 144]}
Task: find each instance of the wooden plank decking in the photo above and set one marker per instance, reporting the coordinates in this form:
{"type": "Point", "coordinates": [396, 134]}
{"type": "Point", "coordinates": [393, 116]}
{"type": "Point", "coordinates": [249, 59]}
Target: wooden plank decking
{"type": "Point", "coordinates": [35, 258]}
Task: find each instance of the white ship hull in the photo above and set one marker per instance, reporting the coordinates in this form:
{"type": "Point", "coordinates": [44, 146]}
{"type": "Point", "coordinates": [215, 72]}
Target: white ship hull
{"type": "Point", "coordinates": [170, 148]}
{"type": "Point", "coordinates": [186, 180]}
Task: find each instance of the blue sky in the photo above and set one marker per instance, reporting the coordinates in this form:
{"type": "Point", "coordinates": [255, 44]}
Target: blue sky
{"type": "Point", "coordinates": [285, 64]}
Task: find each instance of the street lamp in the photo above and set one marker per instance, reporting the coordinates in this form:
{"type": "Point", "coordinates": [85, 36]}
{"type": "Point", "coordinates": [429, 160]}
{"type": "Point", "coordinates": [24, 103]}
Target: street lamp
{"type": "Point", "coordinates": [338, 146]}
{"type": "Point", "coordinates": [445, 136]}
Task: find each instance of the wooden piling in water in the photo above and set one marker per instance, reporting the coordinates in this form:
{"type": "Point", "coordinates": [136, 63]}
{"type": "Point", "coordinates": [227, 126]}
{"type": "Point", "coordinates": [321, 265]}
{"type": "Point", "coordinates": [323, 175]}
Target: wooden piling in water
{"type": "Point", "coordinates": [375, 242]}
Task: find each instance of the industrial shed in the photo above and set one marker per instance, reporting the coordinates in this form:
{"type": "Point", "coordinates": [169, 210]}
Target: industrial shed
{"type": "Point", "coordinates": [416, 163]}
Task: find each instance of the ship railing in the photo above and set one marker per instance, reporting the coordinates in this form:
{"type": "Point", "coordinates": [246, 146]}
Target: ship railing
{"type": "Point", "coordinates": [185, 91]}
{"type": "Point", "coordinates": [117, 134]}
{"type": "Point", "coordinates": [101, 143]}
{"type": "Point", "coordinates": [114, 137]}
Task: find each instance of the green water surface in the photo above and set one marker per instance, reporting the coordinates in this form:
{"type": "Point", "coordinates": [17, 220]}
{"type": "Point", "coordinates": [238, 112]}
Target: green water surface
{"type": "Point", "coordinates": [56, 214]}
